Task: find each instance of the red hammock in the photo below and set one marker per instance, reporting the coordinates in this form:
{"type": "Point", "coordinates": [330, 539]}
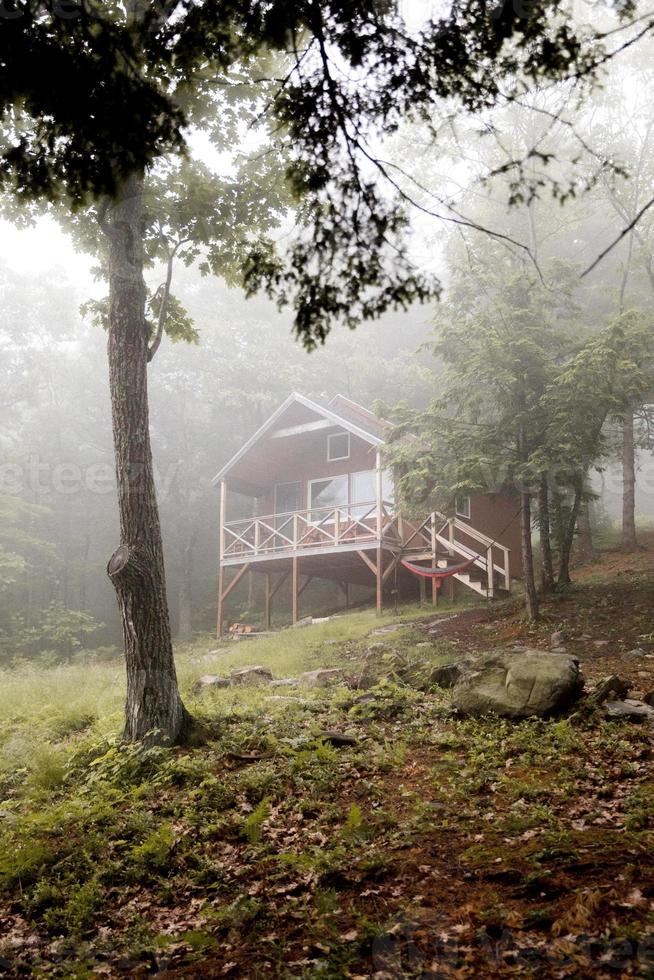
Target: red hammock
{"type": "Point", "coordinates": [438, 574]}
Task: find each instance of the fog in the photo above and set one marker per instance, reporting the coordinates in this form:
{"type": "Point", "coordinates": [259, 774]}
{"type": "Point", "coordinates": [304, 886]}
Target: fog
{"type": "Point", "coordinates": [57, 485]}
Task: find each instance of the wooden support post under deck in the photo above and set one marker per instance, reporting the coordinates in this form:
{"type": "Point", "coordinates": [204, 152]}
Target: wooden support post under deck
{"type": "Point", "coordinates": [267, 598]}
{"type": "Point", "coordinates": [224, 592]}
{"type": "Point", "coordinates": [219, 622]}
{"type": "Point", "coordinates": [380, 601]}
{"type": "Point", "coordinates": [294, 579]}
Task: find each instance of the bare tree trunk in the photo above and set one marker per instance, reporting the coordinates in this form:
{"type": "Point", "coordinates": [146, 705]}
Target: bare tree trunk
{"type": "Point", "coordinates": [546, 565]}
{"type": "Point", "coordinates": [629, 542]}
{"type": "Point", "coordinates": [153, 709]}
{"type": "Point", "coordinates": [568, 537]}
{"type": "Point", "coordinates": [585, 546]}
{"type": "Point", "coordinates": [527, 556]}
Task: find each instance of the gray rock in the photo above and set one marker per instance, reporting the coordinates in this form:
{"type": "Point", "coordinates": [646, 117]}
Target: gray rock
{"type": "Point", "coordinates": [322, 677]}
{"type": "Point", "coordinates": [285, 682]}
{"type": "Point", "coordinates": [610, 685]}
{"type": "Point", "coordinates": [306, 621]}
{"type": "Point", "coordinates": [380, 663]}
{"type": "Point", "coordinates": [556, 638]}
{"type": "Point", "coordinates": [446, 675]}
{"type": "Point", "coordinates": [210, 680]}
{"type": "Point", "coordinates": [631, 655]}
{"type": "Point", "coordinates": [518, 685]}
{"type": "Point", "coordinates": [631, 710]}
{"type": "Point", "coordinates": [251, 675]}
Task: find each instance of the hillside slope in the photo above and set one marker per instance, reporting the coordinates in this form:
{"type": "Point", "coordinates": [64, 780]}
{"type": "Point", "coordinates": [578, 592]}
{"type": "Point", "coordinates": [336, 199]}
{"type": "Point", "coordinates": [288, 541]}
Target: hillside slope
{"type": "Point", "coordinates": [431, 846]}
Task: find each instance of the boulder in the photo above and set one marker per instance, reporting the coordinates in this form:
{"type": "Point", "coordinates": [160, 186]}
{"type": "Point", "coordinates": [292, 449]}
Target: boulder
{"type": "Point", "coordinates": [380, 663]}
{"type": "Point", "coordinates": [322, 677]}
{"type": "Point", "coordinates": [285, 682]}
{"type": "Point", "coordinates": [251, 675]}
{"type": "Point", "coordinates": [518, 685]}
{"type": "Point", "coordinates": [446, 675]}
{"type": "Point", "coordinates": [631, 710]}
{"type": "Point", "coordinates": [210, 680]}
{"type": "Point", "coordinates": [557, 638]}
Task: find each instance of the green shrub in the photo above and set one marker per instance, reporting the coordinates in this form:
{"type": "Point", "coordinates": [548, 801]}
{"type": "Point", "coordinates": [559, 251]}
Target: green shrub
{"type": "Point", "coordinates": [154, 853]}
{"type": "Point", "coordinates": [253, 824]}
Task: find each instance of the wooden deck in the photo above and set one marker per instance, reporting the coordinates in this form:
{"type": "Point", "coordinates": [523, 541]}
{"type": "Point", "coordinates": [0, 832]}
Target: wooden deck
{"type": "Point", "coordinates": [311, 532]}
{"type": "Point", "coordinates": [360, 544]}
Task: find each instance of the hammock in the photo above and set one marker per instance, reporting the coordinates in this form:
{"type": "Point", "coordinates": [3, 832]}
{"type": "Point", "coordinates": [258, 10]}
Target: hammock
{"type": "Point", "coordinates": [438, 574]}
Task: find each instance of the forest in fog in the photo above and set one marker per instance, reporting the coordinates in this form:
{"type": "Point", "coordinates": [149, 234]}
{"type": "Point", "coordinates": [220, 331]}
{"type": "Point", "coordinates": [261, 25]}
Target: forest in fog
{"type": "Point", "coordinates": [207, 398]}
{"type": "Point", "coordinates": [211, 389]}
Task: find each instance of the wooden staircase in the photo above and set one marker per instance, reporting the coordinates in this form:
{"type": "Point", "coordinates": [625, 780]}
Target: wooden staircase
{"type": "Point", "coordinates": [449, 541]}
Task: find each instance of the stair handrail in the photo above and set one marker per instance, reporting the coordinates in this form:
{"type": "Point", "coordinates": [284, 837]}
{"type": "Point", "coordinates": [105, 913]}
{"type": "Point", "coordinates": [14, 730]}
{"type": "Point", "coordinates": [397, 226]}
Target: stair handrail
{"type": "Point", "coordinates": [466, 552]}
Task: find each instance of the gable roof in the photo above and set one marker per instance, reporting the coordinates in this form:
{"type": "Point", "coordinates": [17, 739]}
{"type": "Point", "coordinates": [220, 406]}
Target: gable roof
{"type": "Point", "coordinates": [352, 410]}
{"type": "Point", "coordinates": [352, 417]}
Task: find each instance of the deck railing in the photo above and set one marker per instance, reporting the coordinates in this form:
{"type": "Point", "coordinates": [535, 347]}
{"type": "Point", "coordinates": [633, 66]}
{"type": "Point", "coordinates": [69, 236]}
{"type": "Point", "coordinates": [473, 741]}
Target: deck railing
{"type": "Point", "coordinates": [440, 533]}
{"type": "Point", "coordinates": [318, 527]}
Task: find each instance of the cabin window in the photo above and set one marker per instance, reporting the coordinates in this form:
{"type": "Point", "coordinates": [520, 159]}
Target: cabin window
{"type": "Point", "coordinates": [364, 491]}
{"type": "Point", "coordinates": [326, 495]}
{"type": "Point", "coordinates": [462, 507]}
{"type": "Point", "coordinates": [338, 446]}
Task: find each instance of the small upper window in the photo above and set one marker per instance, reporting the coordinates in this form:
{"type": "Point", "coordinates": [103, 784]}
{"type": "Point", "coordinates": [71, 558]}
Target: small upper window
{"type": "Point", "coordinates": [462, 506]}
{"type": "Point", "coordinates": [338, 446]}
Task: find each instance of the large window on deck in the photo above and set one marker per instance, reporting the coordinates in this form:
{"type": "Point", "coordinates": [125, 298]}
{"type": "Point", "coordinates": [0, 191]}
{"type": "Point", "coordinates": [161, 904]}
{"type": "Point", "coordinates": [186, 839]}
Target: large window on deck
{"type": "Point", "coordinates": [355, 495]}
{"type": "Point", "coordinates": [363, 496]}
{"type": "Point", "coordinates": [326, 495]}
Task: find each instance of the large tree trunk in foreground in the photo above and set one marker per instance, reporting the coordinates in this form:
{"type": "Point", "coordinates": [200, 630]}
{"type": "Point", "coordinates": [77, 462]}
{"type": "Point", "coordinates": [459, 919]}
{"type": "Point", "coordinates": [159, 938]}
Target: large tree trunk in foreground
{"type": "Point", "coordinates": [154, 710]}
{"type": "Point", "coordinates": [629, 542]}
{"type": "Point", "coordinates": [546, 564]}
{"type": "Point", "coordinates": [527, 556]}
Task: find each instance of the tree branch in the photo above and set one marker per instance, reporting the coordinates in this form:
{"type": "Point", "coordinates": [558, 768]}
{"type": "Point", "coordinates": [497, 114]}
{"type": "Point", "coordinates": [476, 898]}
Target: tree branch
{"type": "Point", "coordinates": [154, 347]}
{"type": "Point", "coordinates": [616, 241]}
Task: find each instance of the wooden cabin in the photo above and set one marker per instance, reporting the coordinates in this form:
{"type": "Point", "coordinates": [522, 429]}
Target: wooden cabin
{"type": "Point", "coordinates": [307, 496]}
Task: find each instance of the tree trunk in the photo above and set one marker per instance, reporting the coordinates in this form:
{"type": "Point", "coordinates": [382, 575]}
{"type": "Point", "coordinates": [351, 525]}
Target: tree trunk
{"type": "Point", "coordinates": [154, 710]}
{"type": "Point", "coordinates": [546, 565]}
{"type": "Point", "coordinates": [531, 595]}
{"type": "Point", "coordinates": [585, 546]}
{"type": "Point", "coordinates": [568, 537]}
{"type": "Point", "coordinates": [629, 542]}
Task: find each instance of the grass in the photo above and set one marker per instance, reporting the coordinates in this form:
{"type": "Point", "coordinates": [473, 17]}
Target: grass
{"type": "Point", "coordinates": [484, 847]}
